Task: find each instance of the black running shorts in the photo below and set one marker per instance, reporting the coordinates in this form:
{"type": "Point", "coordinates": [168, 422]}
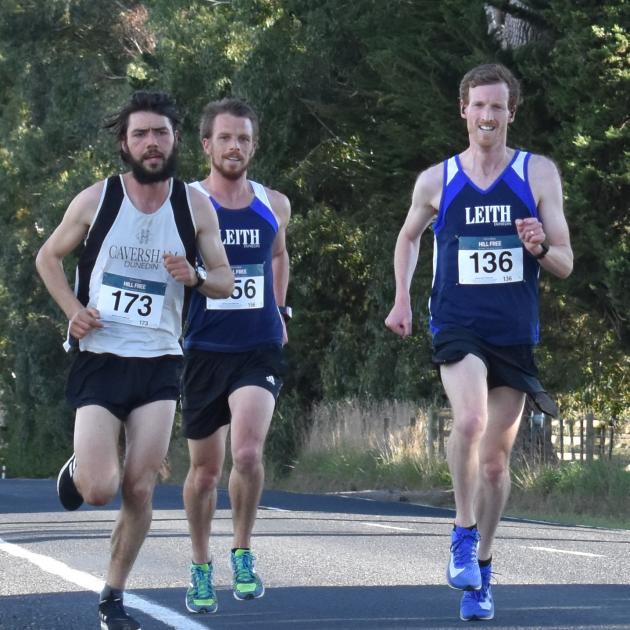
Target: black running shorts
{"type": "Point", "coordinates": [210, 377]}
{"type": "Point", "coordinates": [121, 384]}
{"type": "Point", "coordinates": [508, 366]}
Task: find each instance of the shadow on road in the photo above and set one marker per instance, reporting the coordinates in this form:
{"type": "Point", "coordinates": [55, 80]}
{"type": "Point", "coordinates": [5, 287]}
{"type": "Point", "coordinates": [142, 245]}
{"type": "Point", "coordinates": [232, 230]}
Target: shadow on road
{"type": "Point", "coordinates": [560, 607]}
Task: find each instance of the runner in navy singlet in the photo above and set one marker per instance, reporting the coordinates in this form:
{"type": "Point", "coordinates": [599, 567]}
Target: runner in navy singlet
{"type": "Point", "coordinates": [497, 218]}
{"type": "Point", "coordinates": [233, 365]}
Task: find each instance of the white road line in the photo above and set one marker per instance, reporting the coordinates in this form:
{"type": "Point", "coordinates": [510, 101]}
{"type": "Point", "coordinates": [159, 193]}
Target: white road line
{"type": "Point", "coordinates": [572, 553]}
{"type": "Point", "coordinates": [400, 529]}
{"type": "Point", "coordinates": [273, 509]}
{"type": "Point", "coordinates": [91, 583]}
{"type": "Point", "coordinates": [345, 496]}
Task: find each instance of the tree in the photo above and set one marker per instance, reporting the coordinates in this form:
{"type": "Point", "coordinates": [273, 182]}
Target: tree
{"type": "Point", "coordinates": [62, 64]}
{"type": "Point", "coordinates": [355, 97]}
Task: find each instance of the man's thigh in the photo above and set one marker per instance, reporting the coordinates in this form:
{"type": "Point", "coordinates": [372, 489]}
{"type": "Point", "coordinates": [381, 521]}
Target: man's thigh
{"type": "Point", "coordinates": [505, 408]}
{"type": "Point", "coordinates": [96, 434]}
{"type": "Point", "coordinates": [465, 386]}
{"type": "Point", "coordinates": [251, 409]}
{"type": "Point", "coordinates": [148, 433]}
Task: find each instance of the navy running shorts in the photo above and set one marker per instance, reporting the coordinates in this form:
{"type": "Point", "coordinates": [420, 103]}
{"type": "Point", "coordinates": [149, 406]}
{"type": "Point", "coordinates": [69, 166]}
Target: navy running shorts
{"type": "Point", "coordinates": [508, 366]}
{"type": "Point", "coordinates": [210, 377]}
{"type": "Point", "coordinates": [121, 384]}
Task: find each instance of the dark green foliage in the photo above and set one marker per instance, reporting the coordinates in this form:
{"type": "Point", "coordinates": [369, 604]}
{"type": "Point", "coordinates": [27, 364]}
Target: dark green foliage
{"type": "Point", "coordinates": [64, 65]}
{"type": "Point", "coordinates": [355, 98]}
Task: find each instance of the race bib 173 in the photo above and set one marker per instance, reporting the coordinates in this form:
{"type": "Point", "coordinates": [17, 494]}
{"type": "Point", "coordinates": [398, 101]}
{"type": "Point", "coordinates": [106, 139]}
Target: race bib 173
{"type": "Point", "coordinates": [131, 300]}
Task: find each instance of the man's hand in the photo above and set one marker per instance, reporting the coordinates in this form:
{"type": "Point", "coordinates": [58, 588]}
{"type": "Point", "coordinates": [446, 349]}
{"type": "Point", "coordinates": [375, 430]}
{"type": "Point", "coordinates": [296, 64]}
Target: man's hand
{"type": "Point", "coordinates": [531, 233]}
{"type": "Point", "coordinates": [180, 269]}
{"type": "Point", "coordinates": [84, 321]}
{"type": "Point", "coordinates": [399, 320]}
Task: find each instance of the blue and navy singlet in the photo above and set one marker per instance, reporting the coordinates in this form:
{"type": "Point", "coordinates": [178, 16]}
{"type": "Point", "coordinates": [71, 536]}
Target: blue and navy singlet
{"type": "Point", "coordinates": [249, 318]}
{"type": "Point", "coordinates": [484, 280]}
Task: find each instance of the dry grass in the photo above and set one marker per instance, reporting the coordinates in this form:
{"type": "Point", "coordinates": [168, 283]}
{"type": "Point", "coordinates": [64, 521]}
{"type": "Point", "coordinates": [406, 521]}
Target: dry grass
{"type": "Point", "coordinates": [383, 446]}
{"type": "Point", "coordinates": [359, 446]}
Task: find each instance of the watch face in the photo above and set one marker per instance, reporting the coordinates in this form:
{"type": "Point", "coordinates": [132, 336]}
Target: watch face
{"type": "Point", "coordinates": [201, 274]}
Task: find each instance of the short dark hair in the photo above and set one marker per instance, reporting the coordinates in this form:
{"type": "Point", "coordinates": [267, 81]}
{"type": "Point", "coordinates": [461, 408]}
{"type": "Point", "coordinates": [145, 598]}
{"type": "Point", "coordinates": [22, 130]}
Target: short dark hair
{"type": "Point", "coordinates": [489, 74]}
{"type": "Point", "coordinates": [234, 106]}
{"type": "Point", "coordinates": [142, 101]}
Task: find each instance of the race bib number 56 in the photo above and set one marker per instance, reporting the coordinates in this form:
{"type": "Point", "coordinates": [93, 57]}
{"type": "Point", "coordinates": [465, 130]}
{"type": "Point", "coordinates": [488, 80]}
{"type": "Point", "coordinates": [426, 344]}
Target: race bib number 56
{"type": "Point", "coordinates": [249, 290]}
{"type": "Point", "coordinates": [132, 301]}
{"type": "Point", "coordinates": [490, 260]}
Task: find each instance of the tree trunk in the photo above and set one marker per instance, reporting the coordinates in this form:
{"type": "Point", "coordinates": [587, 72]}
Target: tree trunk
{"type": "Point", "coordinates": [512, 30]}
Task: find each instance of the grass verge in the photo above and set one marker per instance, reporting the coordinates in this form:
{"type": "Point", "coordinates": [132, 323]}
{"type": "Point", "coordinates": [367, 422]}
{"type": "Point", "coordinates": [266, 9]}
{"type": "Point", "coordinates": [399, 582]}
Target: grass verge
{"type": "Point", "coordinates": [595, 494]}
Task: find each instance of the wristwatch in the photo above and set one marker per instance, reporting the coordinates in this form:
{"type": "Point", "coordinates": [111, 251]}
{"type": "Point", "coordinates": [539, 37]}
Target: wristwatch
{"type": "Point", "coordinates": [543, 253]}
{"type": "Point", "coordinates": [201, 274]}
{"type": "Point", "coordinates": [286, 312]}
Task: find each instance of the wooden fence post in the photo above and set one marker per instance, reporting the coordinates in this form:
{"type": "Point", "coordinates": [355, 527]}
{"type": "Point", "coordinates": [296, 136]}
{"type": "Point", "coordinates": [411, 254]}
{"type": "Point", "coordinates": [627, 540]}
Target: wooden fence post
{"type": "Point", "coordinates": [547, 449]}
{"type": "Point", "coordinates": [611, 444]}
{"type": "Point", "coordinates": [431, 433]}
{"type": "Point", "coordinates": [602, 441]}
{"type": "Point", "coordinates": [590, 437]}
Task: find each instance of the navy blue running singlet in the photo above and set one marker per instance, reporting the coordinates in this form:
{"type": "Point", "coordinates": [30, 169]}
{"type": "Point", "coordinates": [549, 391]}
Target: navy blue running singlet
{"type": "Point", "coordinates": [484, 280]}
{"type": "Point", "coordinates": [249, 318]}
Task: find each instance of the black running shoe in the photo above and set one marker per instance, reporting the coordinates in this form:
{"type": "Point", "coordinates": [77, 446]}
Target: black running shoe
{"type": "Point", "coordinates": [67, 491]}
{"type": "Point", "coordinates": [113, 616]}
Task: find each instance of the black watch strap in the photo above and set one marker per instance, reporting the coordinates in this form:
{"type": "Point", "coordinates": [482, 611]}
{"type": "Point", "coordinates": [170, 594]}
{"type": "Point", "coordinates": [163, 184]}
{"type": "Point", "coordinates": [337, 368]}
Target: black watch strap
{"type": "Point", "coordinates": [543, 253]}
{"type": "Point", "coordinates": [286, 312]}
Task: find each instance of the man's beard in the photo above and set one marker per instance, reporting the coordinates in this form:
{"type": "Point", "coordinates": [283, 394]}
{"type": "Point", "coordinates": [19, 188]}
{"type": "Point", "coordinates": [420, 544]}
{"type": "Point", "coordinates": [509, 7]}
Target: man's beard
{"type": "Point", "coordinates": [229, 174]}
{"type": "Point", "coordinates": [145, 176]}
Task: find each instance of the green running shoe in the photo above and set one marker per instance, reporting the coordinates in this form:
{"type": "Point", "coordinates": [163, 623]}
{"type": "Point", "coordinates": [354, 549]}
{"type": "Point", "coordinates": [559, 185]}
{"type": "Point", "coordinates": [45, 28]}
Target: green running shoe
{"type": "Point", "coordinates": [246, 583]}
{"type": "Point", "coordinates": [201, 596]}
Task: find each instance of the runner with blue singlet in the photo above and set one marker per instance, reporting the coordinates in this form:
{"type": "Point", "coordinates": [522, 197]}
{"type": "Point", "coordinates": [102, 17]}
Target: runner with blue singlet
{"type": "Point", "coordinates": [234, 363]}
{"type": "Point", "coordinates": [497, 218]}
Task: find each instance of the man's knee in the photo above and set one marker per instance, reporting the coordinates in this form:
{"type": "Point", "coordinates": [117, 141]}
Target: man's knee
{"type": "Point", "coordinates": [247, 459]}
{"type": "Point", "coordinates": [495, 472]}
{"type": "Point", "coordinates": [205, 478]}
{"type": "Point", "coordinates": [470, 427]}
{"type": "Point", "coordinates": [138, 491]}
{"type": "Point", "coordinates": [97, 490]}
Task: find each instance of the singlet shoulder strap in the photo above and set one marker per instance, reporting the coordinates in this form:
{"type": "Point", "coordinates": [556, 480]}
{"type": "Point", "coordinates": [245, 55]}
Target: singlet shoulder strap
{"type": "Point", "coordinates": [107, 212]}
{"type": "Point", "coordinates": [516, 177]}
{"type": "Point", "coordinates": [519, 163]}
{"type": "Point", "coordinates": [261, 193]}
{"type": "Point", "coordinates": [452, 182]}
{"type": "Point", "coordinates": [197, 186]}
{"type": "Point", "coordinates": [262, 205]}
{"type": "Point", "coordinates": [182, 212]}
{"type": "Point", "coordinates": [451, 168]}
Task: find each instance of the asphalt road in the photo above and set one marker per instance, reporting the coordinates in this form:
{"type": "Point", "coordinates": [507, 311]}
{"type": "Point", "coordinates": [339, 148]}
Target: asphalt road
{"type": "Point", "coordinates": [328, 563]}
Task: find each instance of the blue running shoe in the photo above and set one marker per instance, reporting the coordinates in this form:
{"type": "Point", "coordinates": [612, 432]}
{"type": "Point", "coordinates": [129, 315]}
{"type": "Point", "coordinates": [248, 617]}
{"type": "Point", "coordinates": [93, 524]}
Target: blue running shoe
{"type": "Point", "coordinates": [246, 583]}
{"type": "Point", "coordinates": [478, 605]}
{"type": "Point", "coordinates": [463, 568]}
{"type": "Point", "coordinates": [201, 596]}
